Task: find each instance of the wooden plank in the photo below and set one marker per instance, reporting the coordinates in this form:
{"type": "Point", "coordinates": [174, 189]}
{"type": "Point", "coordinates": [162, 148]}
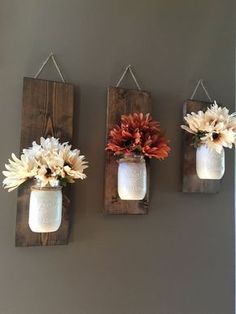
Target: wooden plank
{"type": "Point", "coordinates": [122, 101]}
{"type": "Point", "coordinates": [47, 111]}
{"type": "Point", "coordinates": [191, 182]}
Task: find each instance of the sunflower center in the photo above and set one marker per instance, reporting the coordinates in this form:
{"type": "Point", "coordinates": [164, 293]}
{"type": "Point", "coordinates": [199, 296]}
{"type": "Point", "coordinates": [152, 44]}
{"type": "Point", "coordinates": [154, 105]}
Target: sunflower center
{"type": "Point", "coordinates": [48, 173]}
{"type": "Point", "coordinates": [215, 136]}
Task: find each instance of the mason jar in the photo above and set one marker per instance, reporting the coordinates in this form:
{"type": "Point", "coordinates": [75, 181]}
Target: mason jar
{"type": "Point", "coordinates": [45, 208]}
{"type": "Point", "coordinates": [132, 178]}
{"type": "Point", "coordinates": [209, 163]}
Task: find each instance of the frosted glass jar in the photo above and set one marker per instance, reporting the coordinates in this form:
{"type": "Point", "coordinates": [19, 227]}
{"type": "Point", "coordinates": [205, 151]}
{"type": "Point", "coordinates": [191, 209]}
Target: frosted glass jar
{"type": "Point", "coordinates": [45, 209]}
{"type": "Point", "coordinates": [132, 178]}
{"type": "Point", "coordinates": [209, 163]}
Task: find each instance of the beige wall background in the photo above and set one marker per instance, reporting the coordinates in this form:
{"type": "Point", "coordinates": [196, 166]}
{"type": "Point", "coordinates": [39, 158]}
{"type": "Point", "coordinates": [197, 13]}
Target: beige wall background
{"type": "Point", "coordinates": [179, 259]}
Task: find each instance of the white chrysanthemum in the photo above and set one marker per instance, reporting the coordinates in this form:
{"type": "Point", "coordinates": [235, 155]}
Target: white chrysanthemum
{"type": "Point", "coordinates": [49, 162]}
{"type": "Point", "coordinates": [49, 144]}
{"type": "Point", "coordinates": [195, 121]}
{"type": "Point", "coordinates": [52, 159]}
{"type": "Point", "coordinates": [217, 141]}
{"type": "Point", "coordinates": [46, 177]}
{"type": "Point", "coordinates": [217, 113]}
{"type": "Point", "coordinates": [33, 151]}
{"type": "Point", "coordinates": [215, 127]}
{"type": "Point", "coordinates": [74, 163]}
{"type": "Point", "coordinates": [18, 171]}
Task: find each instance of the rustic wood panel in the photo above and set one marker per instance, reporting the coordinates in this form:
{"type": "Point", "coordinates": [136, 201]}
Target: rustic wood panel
{"type": "Point", "coordinates": [191, 182]}
{"type": "Point", "coordinates": [47, 111]}
{"type": "Point", "coordinates": [122, 101]}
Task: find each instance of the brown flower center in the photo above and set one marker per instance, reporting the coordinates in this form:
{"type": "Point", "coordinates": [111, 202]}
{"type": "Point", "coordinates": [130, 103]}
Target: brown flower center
{"type": "Point", "coordinates": [215, 136]}
{"type": "Point", "coordinates": [128, 142]}
{"type": "Point", "coordinates": [48, 173]}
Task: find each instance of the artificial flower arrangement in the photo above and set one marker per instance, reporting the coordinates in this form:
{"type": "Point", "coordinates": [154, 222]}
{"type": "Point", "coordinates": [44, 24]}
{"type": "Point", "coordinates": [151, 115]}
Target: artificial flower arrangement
{"type": "Point", "coordinates": [137, 137]}
{"type": "Point", "coordinates": [52, 164]}
{"type": "Point", "coordinates": [212, 131]}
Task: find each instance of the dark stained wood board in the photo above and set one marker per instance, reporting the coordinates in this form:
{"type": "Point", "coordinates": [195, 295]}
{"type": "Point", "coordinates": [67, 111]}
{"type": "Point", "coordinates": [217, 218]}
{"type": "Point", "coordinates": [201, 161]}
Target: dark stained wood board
{"type": "Point", "coordinates": [122, 101]}
{"type": "Point", "coordinates": [47, 110]}
{"type": "Point", "coordinates": [191, 182]}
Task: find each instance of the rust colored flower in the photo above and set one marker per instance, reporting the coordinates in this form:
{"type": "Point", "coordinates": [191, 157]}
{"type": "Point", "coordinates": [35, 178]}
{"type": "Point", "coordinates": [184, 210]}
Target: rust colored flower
{"type": "Point", "coordinates": [138, 134]}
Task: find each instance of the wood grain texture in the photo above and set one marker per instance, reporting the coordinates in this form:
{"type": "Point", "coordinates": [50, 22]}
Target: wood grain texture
{"type": "Point", "coordinates": [191, 182]}
{"type": "Point", "coordinates": [47, 110]}
{"type": "Point", "coordinates": [122, 101]}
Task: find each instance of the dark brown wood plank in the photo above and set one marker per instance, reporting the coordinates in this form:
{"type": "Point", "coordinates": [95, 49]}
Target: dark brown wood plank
{"type": "Point", "coordinates": [47, 110]}
{"type": "Point", "coordinates": [191, 182]}
{"type": "Point", "coordinates": [122, 101]}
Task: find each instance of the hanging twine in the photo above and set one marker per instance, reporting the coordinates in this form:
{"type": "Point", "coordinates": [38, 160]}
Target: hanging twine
{"type": "Point", "coordinates": [201, 82]}
{"type": "Point", "coordinates": [51, 56]}
{"type": "Point", "coordinates": [128, 69]}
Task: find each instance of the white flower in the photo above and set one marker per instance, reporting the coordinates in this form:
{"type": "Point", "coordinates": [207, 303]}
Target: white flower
{"type": "Point", "coordinates": [215, 127]}
{"type": "Point", "coordinates": [217, 113]}
{"type": "Point", "coordinates": [219, 140]}
{"type": "Point", "coordinates": [18, 171]}
{"type": "Point", "coordinates": [46, 177]}
{"type": "Point", "coordinates": [49, 144]}
{"type": "Point", "coordinates": [49, 162]}
{"type": "Point", "coordinates": [34, 151]}
{"type": "Point", "coordinates": [74, 163]}
{"type": "Point", "coordinates": [195, 121]}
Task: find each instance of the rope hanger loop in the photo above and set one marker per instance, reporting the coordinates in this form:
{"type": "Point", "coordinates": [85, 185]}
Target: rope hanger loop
{"type": "Point", "coordinates": [128, 68]}
{"type": "Point", "coordinates": [201, 82]}
{"type": "Point", "coordinates": [52, 57]}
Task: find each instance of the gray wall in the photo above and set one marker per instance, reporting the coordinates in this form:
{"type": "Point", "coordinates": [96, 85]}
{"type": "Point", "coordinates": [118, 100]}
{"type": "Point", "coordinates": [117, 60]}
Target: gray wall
{"type": "Point", "coordinates": [179, 259]}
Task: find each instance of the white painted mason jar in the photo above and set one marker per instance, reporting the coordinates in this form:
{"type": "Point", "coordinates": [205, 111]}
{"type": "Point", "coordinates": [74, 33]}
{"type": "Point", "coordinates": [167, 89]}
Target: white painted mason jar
{"type": "Point", "coordinates": [209, 163]}
{"type": "Point", "coordinates": [45, 208]}
{"type": "Point", "coordinates": [132, 178]}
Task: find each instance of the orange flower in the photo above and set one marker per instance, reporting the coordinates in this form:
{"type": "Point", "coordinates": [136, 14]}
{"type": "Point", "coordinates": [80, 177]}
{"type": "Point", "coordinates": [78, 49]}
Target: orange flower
{"type": "Point", "coordinates": [138, 134]}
